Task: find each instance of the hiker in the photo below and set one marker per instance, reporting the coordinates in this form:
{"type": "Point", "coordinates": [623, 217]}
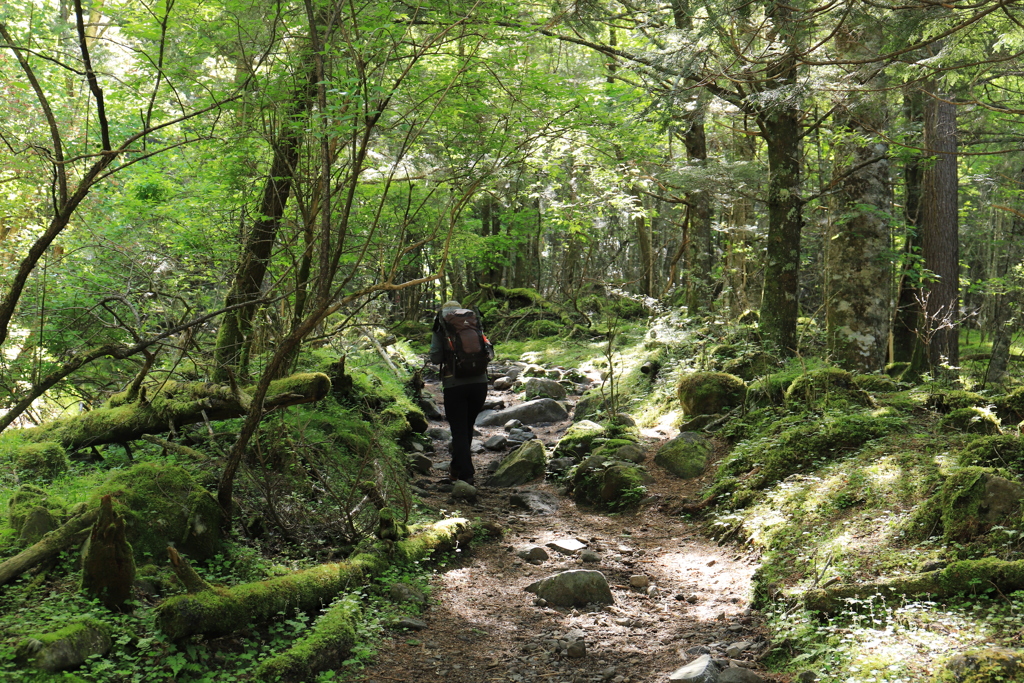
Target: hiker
{"type": "Point", "coordinates": [460, 348]}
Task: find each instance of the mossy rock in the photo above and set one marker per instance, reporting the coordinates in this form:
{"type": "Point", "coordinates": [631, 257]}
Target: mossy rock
{"type": "Point", "coordinates": [31, 512]}
{"type": "Point", "coordinates": [705, 393]}
{"type": "Point", "coordinates": [1010, 407]}
{"type": "Point", "coordinates": [947, 401]}
{"type": "Point", "coordinates": [878, 384]}
{"type": "Point", "coordinates": [522, 465]}
{"type": "Point", "coordinates": [989, 665]}
{"type": "Point", "coordinates": [590, 406]}
{"type": "Point", "coordinates": [770, 459]}
{"type": "Point", "coordinates": [610, 485]}
{"type": "Point", "coordinates": [751, 365]}
{"type": "Point", "coordinates": [625, 450]}
{"type": "Point", "coordinates": [970, 421]}
{"type": "Point", "coordinates": [967, 505]}
{"type": "Point", "coordinates": [44, 461]}
{"type": "Point", "coordinates": [685, 456]}
{"type": "Point", "coordinates": [824, 387]}
{"type": "Point", "coordinates": [163, 505]}
{"type": "Point", "coordinates": [67, 648]}
{"type": "Point", "coordinates": [896, 370]}
{"type": "Point", "coordinates": [770, 390]}
{"type": "Point", "coordinates": [1003, 450]}
{"type": "Point", "coordinates": [577, 440]}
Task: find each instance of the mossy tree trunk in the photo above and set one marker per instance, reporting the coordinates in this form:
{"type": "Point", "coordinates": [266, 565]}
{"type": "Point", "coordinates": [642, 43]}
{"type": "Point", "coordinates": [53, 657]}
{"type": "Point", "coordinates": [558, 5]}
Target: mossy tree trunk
{"type": "Point", "coordinates": [857, 272]}
{"type": "Point", "coordinates": [70, 534]}
{"type": "Point", "coordinates": [108, 565]}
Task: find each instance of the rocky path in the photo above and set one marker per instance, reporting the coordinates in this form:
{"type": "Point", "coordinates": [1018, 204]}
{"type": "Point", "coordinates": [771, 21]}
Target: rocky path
{"type": "Point", "coordinates": [677, 595]}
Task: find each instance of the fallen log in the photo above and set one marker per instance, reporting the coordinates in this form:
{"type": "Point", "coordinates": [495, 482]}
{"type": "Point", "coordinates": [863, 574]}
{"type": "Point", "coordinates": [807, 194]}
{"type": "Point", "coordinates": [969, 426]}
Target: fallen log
{"type": "Point", "coordinates": [958, 577]}
{"type": "Point", "coordinates": [71, 533]}
{"type": "Point", "coordinates": [170, 406]}
{"type": "Point", "coordinates": [225, 610]}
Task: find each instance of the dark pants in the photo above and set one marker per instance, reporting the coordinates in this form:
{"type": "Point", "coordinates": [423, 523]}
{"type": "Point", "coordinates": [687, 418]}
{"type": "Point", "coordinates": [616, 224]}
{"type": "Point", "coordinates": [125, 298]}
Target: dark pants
{"type": "Point", "coordinates": [461, 406]}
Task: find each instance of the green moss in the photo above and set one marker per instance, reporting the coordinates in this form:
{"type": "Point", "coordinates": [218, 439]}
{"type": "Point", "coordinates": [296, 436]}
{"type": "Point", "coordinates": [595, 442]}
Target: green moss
{"type": "Point", "coordinates": [772, 457]}
{"type": "Point", "coordinates": [1005, 451]}
{"type": "Point", "coordinates": [954, 511]}
{"type": "Point", "coordinates": [969, 421]}
{"type": "Point", "coordinates": [221, 611]}
{"type": "Point", "coordinates": [1010, 407]}
{"type": "Point", "coordinates": [826, 386]}
{"type": "Point", "coordinates": [876, 383]}
{"type": "Point", "coordinates": [705, 393]}
{"type": "Point", "coordinates": [576, 441]}
{"type": "Point", "coordinates": [617, 486]}
{"type": "Point", "coordinates": [770, 390]}
{"type": "Point", "coordinates": [751, 365]}
{"type": "Point", "coordinates": [948, 401]}
{"type": "Point", "coordinates": [163, 505]}
{"type": "Point", "coordinates": [44, 461]}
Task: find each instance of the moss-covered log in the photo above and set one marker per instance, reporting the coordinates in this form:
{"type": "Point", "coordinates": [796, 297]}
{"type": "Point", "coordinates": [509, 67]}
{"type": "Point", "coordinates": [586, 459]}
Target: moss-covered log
{"type": "Point", "coordinates": [172, 405]}
{"type": "Point", "coordinates": [220, 611]}
{"type": "Point", "coordinates": [959, 577]}
{"type": "Point", "coordinates": [74, 531]}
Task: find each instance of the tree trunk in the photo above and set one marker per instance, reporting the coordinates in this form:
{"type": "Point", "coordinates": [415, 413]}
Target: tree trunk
{"type": "Point", "coordinates": [779, 301]}
{"type": "Point", "coordinates": [172, 406]}
{"type": "Point", "coordinates": [904, 327]}
{"type": "Point", "coordinates": [699, 256]}
{"type": "Point", "coordinates": [230, 352]}
{"type": "Point", "coordinates": [645, 243]}
{"type": "Point", "coordinates": [225, 610]}
{"type": "Point", "coordinates": [72, 533]}
{"type": "Point", "coordinates": [940, 236]}
{"type": "Point", "coordinates": [857, 271]}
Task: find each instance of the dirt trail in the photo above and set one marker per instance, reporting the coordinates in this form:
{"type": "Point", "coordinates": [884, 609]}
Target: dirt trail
{"type": "Point", "coordinates": [482, 625]}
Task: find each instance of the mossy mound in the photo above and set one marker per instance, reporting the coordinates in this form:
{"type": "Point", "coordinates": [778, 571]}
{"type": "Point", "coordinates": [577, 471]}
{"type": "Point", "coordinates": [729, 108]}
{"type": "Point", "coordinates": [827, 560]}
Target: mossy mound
{"type": "Point", "coordinates": [751, 365]}
{"type": "Point", "coordinates": [989, 665]}
{"type": "Point", "coordinates": [706, 393]}
{"type": "Point", "coordinates": [43, 461]}
{"type": "Point", "coordinates": [521, 313]}
{"type": "Point", "coordinates": [770, 390]}
{"type": "Point", "coordinates": [877, 384]}
{"type": "Point", "coordinates": [1005, 451]}
{"type": "Point", "coordinates": [970, 421]}
{"type": "Point", "coordinates": [947, 401]}
{"type": "Point", "coordinates": [32, 512]}
{"type": "Point", "coordinates": [1010, 407]}
{"type": "Point", "coordinates": [163, 505]}
{"type": "Point", "coordinates": [824, 387]}
{"type": "Point", "coordinates": [608, 484]}
{"type": "Point", "coordinates": [576, 441]}
{"type": "Point", "coordinates": [967, 505]}
{"type": "Point", "coordinates": [626, 450]}
{"type": "Point", "coordinates": [771, 457]}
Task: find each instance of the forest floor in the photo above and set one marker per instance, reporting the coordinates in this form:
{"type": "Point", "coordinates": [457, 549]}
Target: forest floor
{"type": "Point", "coordinates": [483, 626]}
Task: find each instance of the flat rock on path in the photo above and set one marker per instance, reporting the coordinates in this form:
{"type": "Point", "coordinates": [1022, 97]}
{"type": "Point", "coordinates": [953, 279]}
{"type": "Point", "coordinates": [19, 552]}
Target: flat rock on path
{"type": "Point", "coordinates": [481, 625]}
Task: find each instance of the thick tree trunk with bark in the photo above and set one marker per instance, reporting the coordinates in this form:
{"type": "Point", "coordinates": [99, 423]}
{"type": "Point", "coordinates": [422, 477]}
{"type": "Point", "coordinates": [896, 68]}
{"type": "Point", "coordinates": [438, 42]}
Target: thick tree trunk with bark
{"type": "Point", "coordinates": [699, 259]}
{"type": "Point", "coordinates": [905, 319]}
{"type": "Point", "coordinates": [779, 303]}
{"type": "Point", "coordinates": [857, 270]}
{"type": "Point", "coordinates": [940, 234]}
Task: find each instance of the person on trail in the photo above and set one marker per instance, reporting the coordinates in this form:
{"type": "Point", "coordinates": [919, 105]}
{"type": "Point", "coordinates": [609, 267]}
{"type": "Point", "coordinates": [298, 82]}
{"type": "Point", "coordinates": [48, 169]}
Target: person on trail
{"type": "Point", "coordinates": [465, 386]}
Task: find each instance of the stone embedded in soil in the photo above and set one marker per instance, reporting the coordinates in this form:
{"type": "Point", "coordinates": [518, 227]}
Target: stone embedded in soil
{"type": "Point", "coordinates": [496, 443]}
{"type": "Point", "coordinates": [412, 624]}
{"type": "Point", "coordinates": [739, 674]}
{"type": "Point", "coordinates": [590, 557]}
{"type": "Point", "coordinates": [566, 546]}
{"type": "Point", "coordinates": [503, 383]}
{"type": "Point", "coordinates": [533, 554]}
{"type": "Point", "coordinates": [735, 650]}
{"type": "Point", "coordinates": [403, 592]}
{"type": "Point", "coordinates": [521, 466]}
{"type": "Point", "coordinates": [430, 409]}
{"type": "Point", "coordinates": [541, 502]}
{"type": "Point", "coordinates": [420, 463]}
{"type": "Point", "coordinates": [439, 433]}
{"type": "Point", "coordinates": [700, 670]}
{"type": "Point", "coordinates": [540, 387]}
{"type": "Point", "coordinates": [476, 447]}
{"type": "Point", "coordinates": [684, 456]}
{"type": "Point", "coordinates": [639, 581]}
{"type": "Point", "coordinates": [574, 588]}
{"type": "Point", "coordinates": [512, 424]}
{"type": "Point", "coordinates": [464, 491]}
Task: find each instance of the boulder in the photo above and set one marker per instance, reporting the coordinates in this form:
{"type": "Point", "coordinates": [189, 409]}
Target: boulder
{"type": "Point", "coordinates": [524, 464]}
{"type": "Point", "coordinates": [503, 383]}
{"type": "Point", "coordinates": [623, 450]}
{"type": "Point", "coordinates": [984, 666]}
{"type": "Point", "coordinates": [65, 649]}
{"type": "Point", "coordinates": [429, 408]}
{"type": "Point", "coordinates": [38, 522]}
{"type": "Point", "coordinates": [574, 588]}
{"type": "Point", "coordinates": [739, 674]}
{"type": "Point", "coordinates": [496, 443]}
{"type": "Point", "coordinates": [576, 441]}
{"type": "Point", "coordinates": [685, 456]}
{"type": "Point", "coordinates": [531, 412]}
{"type": "Point", "coordinates": [541, 387]}
{"type": "Point", "coordinates": [705, 393]}
{"type": "Point", "coordinates": [589, 407]}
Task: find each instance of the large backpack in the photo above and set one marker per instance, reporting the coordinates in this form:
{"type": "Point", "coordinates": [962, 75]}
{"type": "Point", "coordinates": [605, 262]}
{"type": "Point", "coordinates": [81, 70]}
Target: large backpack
{"type": "Point", "coordinates": [466, 349]}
